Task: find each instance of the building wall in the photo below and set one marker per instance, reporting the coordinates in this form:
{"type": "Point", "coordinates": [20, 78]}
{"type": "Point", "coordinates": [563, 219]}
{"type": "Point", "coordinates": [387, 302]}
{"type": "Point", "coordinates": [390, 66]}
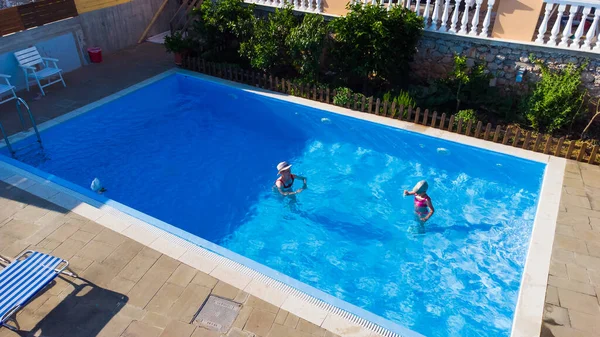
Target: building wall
{"type": "Point", "coordinates": [59, 40]}
{"type": "Point", "coordinates": [517, 19]}
{"type": "Point", "coordinates": [434, 59]}
{"type": "Point", "coordinates": [117, 27]}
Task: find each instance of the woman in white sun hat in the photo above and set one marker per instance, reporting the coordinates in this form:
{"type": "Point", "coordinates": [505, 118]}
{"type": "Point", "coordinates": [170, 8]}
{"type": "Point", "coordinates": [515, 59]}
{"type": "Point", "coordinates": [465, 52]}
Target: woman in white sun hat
{"type": "Point", "coordinates": [285, 182]}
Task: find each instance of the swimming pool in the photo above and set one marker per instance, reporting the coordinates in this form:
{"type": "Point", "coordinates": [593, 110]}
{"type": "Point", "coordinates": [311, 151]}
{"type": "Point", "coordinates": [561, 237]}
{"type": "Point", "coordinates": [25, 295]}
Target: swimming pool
{"type": "Point", "coordinates": [201, 156]}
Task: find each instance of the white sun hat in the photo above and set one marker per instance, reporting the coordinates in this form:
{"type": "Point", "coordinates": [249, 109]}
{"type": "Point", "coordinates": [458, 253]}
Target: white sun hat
{"type": "Point", "coordinates": [284, 165]}
{"type": "Point", "coordinates": [421, 187]}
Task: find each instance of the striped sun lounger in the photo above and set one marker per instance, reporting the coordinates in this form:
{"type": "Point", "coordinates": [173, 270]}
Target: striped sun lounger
{"type": "Point", "coordinates": [22, 279]}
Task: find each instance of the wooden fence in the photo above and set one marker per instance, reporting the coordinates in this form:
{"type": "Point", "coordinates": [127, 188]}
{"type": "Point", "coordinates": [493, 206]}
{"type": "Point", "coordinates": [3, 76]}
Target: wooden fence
{"type": "Point", "coordinates": [509, 136]}
{"type": "Point", "coordinates": [35, 14]}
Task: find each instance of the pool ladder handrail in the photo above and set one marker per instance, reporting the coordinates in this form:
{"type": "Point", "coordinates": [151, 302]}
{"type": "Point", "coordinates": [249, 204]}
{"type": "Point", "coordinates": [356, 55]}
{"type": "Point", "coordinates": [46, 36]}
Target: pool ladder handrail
{"type": "Point", "coordinates": [33, 124]}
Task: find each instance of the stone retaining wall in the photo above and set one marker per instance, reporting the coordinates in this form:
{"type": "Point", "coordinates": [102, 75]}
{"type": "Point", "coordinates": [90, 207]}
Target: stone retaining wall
{"type": "Point", "coordinates": [434, 59]}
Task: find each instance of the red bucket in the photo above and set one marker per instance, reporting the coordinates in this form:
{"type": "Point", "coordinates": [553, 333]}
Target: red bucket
{"type": "Point", "coordinates": [95, 54]}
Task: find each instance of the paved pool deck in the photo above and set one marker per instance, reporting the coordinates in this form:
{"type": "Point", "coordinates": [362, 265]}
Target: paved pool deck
{"type": "Point", "coordinates": [573, 294]}
{"type": "Point", "coordinates": [129, 289]}
{"type": "Point", "coordinates": [125, 288]}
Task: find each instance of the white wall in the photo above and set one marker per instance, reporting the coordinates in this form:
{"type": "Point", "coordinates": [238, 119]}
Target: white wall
{"type": "Point", "coordinates": [55, 40]}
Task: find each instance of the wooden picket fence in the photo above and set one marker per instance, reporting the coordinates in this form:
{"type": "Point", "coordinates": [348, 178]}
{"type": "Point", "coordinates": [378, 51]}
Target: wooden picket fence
{"type": "Point", "coordinates": [509, 136]}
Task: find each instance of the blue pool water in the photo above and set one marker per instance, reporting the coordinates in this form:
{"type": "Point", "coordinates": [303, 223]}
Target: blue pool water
{"type": "Point", "coordinates": [201, 156]}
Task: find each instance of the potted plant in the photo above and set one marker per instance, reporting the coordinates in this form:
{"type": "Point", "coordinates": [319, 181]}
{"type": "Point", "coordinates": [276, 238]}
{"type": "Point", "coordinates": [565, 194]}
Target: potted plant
{"type": "Point", "coordinates": [176, 44]}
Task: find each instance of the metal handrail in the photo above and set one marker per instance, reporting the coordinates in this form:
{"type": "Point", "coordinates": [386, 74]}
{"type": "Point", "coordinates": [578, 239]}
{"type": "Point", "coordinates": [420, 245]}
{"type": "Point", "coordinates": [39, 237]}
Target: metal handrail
{"type": "Point", "coordinates": [12, 152]}
{"type": "Point", "coordinates": [37, 133]}
{"type": "Point", "coordinates": [33, 124]}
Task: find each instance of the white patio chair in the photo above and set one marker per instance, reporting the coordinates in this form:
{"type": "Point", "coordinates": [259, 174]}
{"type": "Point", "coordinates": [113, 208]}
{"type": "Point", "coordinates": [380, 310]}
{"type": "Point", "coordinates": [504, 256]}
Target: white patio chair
{"type": "Point", "coordinates": [7, 90]}
{"type": "Point", "coordinates": [30, 59]}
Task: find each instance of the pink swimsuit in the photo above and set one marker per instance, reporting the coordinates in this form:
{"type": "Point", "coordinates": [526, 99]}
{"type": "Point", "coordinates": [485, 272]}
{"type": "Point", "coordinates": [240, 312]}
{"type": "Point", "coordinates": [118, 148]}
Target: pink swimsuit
{"type": "Point", "coordinates": [420, 203]}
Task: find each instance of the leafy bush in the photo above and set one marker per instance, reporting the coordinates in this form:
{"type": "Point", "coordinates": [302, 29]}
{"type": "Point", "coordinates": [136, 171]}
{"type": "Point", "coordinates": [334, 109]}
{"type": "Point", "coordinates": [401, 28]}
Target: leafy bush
{"type": "Point", "coordinates": [469, 81]}
{"type": "Point", "coordinates": [342, 96]}
{"type": "Point", "coordinates": [176, 43]}
{"type": "Point", "coordinates": [466, 115]}
{"type": "Point", "coordinates": [305, 43]}
{"type": "Point", "coordinates": [266, 48]}
{"type": "Point", "coordinates": [403, 98]}
{"type": "Point", "coordinates": [221, 24]}
{"type": "Point", "coordinates": [371, 42]}
{"type": "Point", "coordinates": [556, 99]}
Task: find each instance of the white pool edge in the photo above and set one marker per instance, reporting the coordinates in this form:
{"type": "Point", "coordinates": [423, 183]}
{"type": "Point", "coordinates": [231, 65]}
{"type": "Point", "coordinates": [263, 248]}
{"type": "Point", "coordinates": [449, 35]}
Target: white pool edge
{"type": "Point", "coordinates": [530, 305]}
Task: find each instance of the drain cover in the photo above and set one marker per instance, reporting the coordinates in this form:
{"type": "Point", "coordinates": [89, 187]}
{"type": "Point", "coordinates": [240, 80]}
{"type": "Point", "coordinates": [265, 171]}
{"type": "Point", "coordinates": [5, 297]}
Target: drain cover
{"type": "Point", "coordinates": [217, 314]}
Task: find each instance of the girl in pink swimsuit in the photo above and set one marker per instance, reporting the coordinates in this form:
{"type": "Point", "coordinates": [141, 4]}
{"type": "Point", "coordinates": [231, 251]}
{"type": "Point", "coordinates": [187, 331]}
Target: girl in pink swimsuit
{"type": "Point", "coordinates": [423, 206]}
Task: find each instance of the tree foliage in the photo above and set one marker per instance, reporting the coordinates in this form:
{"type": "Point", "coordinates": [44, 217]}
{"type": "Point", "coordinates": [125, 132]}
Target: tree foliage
{"type": "Point", "coordinates": [556, 99]}
{"type": "Point", "coordinates": [221, 24]}
{"type": "Point", "coordinates": [305, 45]}
{"type": "Point", "coordinates": [266, 47]}
{"type": "Point", "coordinates": [371, 41]}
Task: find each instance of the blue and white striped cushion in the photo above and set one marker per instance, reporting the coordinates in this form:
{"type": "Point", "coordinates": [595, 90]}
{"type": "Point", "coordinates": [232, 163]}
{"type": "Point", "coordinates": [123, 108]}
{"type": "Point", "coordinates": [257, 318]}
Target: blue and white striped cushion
{"type": "Point", "coordinates": [21, 280]}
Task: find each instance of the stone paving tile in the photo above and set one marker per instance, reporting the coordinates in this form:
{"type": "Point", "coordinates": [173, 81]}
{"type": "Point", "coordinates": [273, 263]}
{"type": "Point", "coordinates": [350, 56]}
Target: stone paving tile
{"type": "Point", "coordinates": [558, 269]}
{"type": "Point", "coordinates": [577, 273]}
{"type": "Point", "coordinates": [68, 249]}
{"type": "Point", "coordinates": [281, 316]}
{"type": "Point", "coordinates": [313, 329]}
{"type": "Point", "coordinates": [257, 303]}
{"type": "Point", "coordinates": [110, 237]}
{"type": "Point", "coordinates": [578, 301]}
{"type": "Point", "coordinates": [18, 229]}
{"type": "Point", "coordinates": [242, 318]}
{"type": "Point", "coordinates": [552, 295]}
{"type": "Point", "coordinates": [260, 322]}
{"type": "Point", "coordinates": [556, 315]}
{"type": "Point", "coordinates": [120, 285]}
{"type": "Point", "coordinates": [96, 251]}
{"type": "Point", "coordinates": [570, 244]}
{"type": "Point", "coordinates": [189, 302]}
{"type": "Point", "coordinates": [83, 236]}
{"type": "Point", "coordinates": [152, 281]}
{"type": "Point", "coordinates": [200, 332]}
{"type": "Point", "coordinates": [101, 273]}
{"type": "Point", "coordinates": [120, 257]}
{"type": "Point", "coordinates": [178, 329]}
{"type": "Point", "coordinates": [225, 290]}
{"type": "Point", "coordinates": [164, 299]}
{"type": "Point", "coordinates": [140, 329]}
{"type": "Point", "coordinates": [291, 321]}
{"type": "Point", "coordinates": [30, 213]}
{"type": "Point", "coordinates": [63, 232]}
{"type": "Point", "coordinates": [157, 320]}
{"type": "Point", "coordinates": [183, 275]}
{"type": "Point", "coordinates": [204, 280]}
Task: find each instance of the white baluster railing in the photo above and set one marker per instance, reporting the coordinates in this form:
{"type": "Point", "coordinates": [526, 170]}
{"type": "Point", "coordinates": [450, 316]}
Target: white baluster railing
{"type": "Point", "coordinates": [443, 27]}
{"type": "Point", "coordinates": [454, 19]}
{"type": "Point", "coordinates": [426, 12]}
{"type": "Point", "coordinates": [486, 21]}
{"type": "Point", "coordinates": [583, 18]}
{"type": "Point", "coordinates": [435, 15]}
{"type": "Point", "coordinates": [566, 34]}
{"type": "Point", "coordinates": [591, 33]}
{"type": "Point", "coordinates": [475, 22]}
{"type": "Point", "coordinates": [581, 28]}
{"type": "Point", "coordinates": [544, 25]}
{"type": "Point", "coordinates": [556, 27]}
{"type": "Point", "coordinates": [465, 18]}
